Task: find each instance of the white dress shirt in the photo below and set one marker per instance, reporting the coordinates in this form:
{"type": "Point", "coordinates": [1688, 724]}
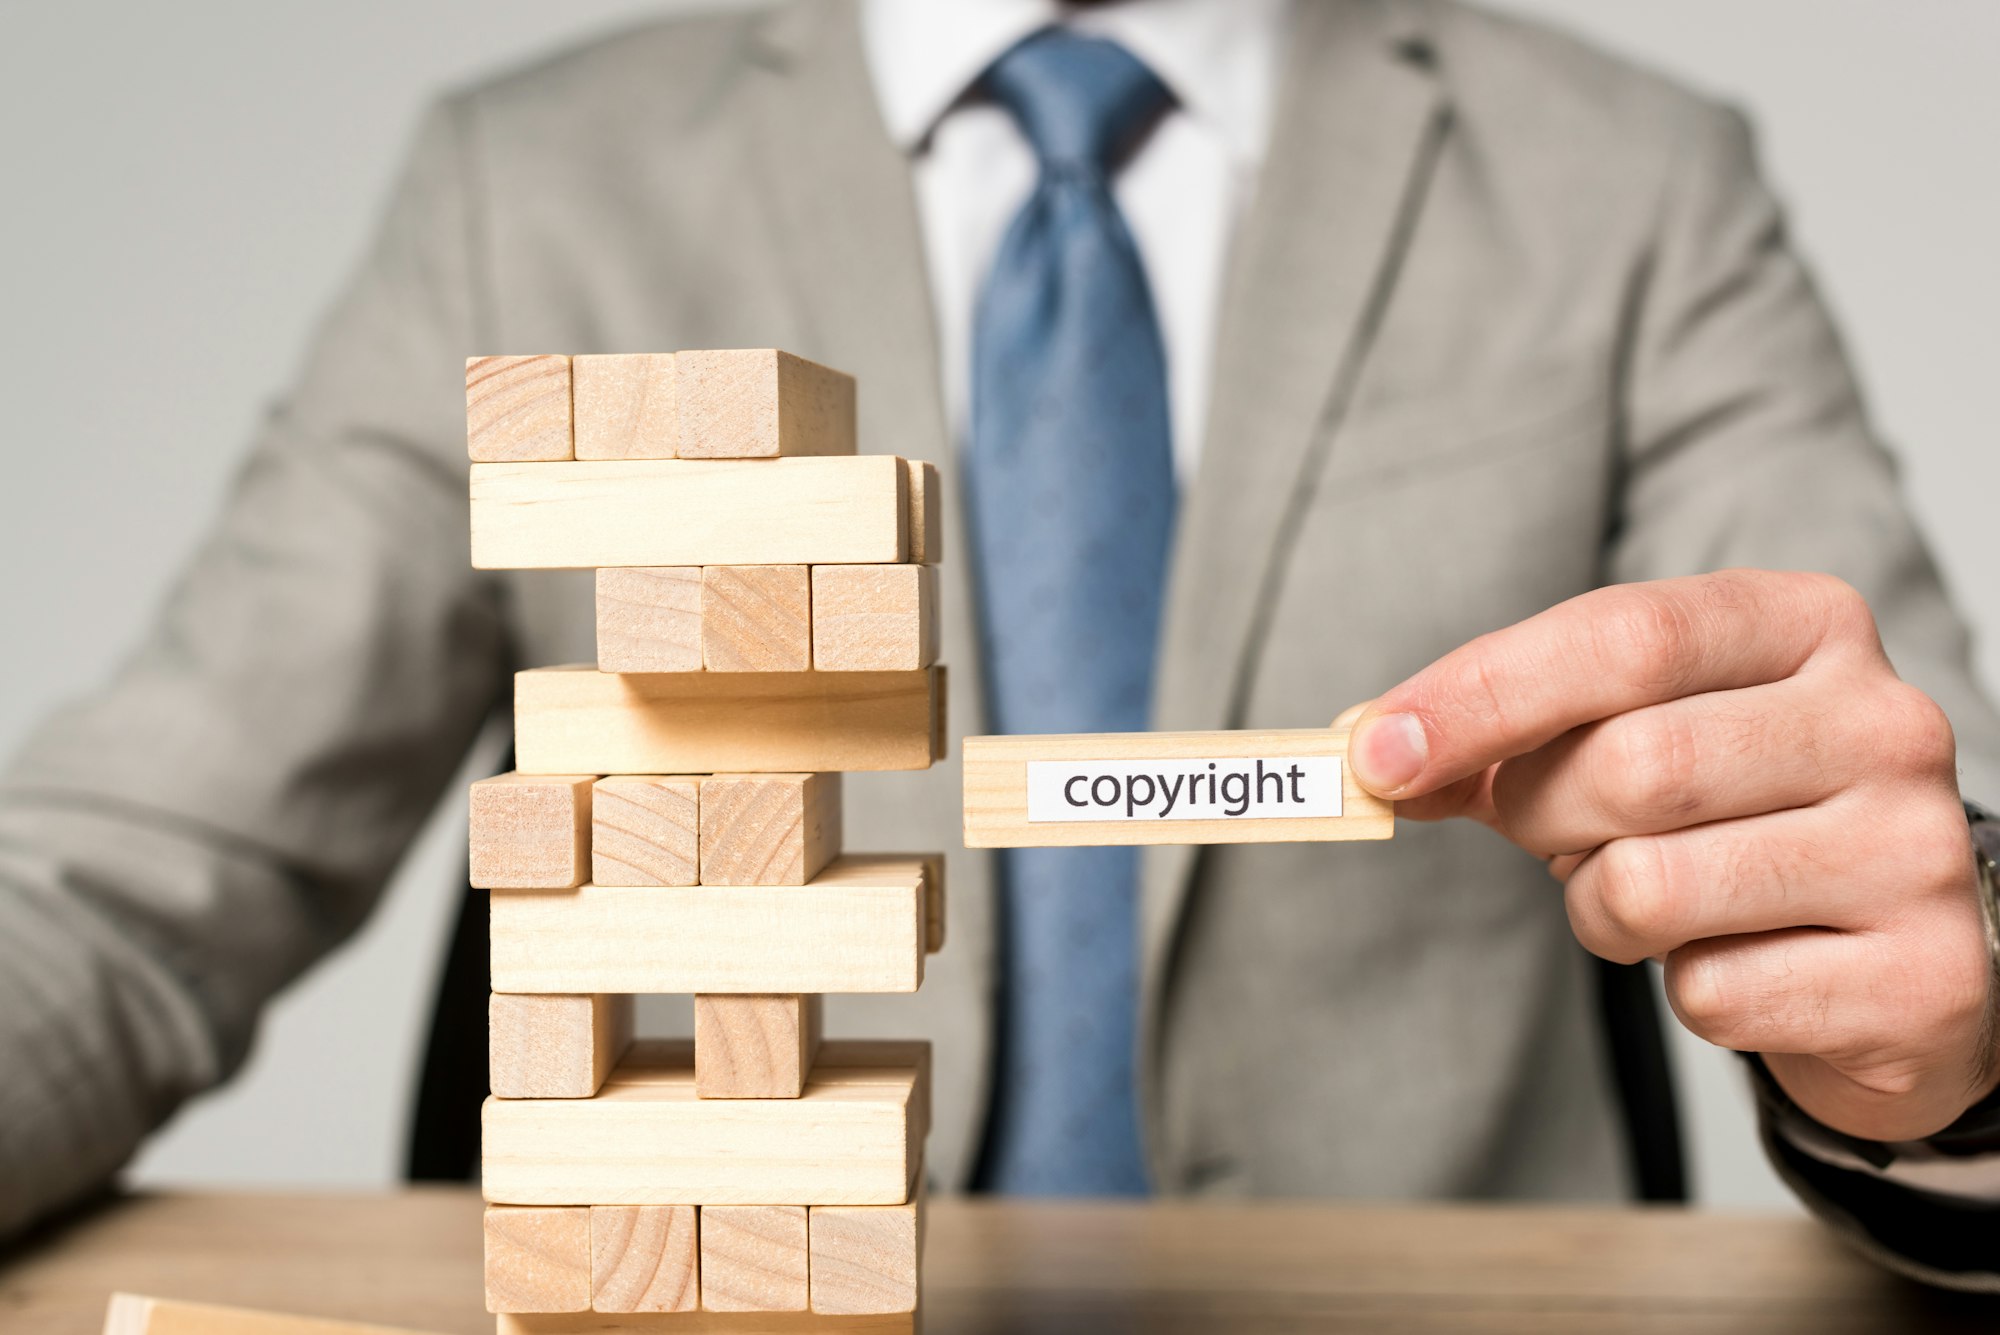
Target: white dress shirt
{"type": "Point", "coordinates": [1181, 192]}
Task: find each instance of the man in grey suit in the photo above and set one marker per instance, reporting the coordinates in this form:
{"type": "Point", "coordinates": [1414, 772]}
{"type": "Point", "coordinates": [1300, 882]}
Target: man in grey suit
{"type": "Point", "coordinates": [1482, 351]}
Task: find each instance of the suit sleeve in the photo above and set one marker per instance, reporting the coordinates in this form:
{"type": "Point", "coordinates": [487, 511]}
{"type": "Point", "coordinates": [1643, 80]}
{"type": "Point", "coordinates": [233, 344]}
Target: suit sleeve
{"type": "Point", "coordinates": [184, 840]}
{"type": "Point", "coordinates": [1747, 444]}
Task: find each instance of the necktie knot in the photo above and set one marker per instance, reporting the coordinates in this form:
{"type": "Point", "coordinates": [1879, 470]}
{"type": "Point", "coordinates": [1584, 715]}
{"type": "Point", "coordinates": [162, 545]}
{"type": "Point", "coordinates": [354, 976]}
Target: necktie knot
{"type": "Point", "coordinates": [1078, 100]}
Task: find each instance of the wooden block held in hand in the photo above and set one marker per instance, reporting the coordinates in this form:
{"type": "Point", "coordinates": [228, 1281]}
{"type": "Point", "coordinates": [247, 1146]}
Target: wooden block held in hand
{"type": "Point", "coordinates": [926, 513]}
{"type": "Point", "coordinates": [759, 403]}
{"type": "Point", "coordinates": [537, 1258]}
{"type": "Point", "coordinates": [554, 1047]}
{"type": "Point", "coordinates": [754, 1047]}
{"type": "Point", "coordinates": [854, 1137]}
{"type": "Point", "coordinates": [517, 409]}
{"type": "Point", "coordinates": [1248, 786]}
{"type": "Point", "coordinates": [864, 1259]}
{"type": "Point", "coordinates": [859, 926]}
{"type": "Point", "coordinates": [626, 407]}
{"type": "Point", "coordinates": [590, 513]}
{"type": "Point", "coordinates": [754, 1258]}
{"type": "Point", "coordinates": [530, 832]}
{"type": "Point", "coordinates": [643, 1259]}
{"type": "Point", "coordinates": [649, 619]}
{"type": "Point", "coordinates": [756, 618]}
{"type": "Point", "coordinates": [645, 830]}
{"type": "Point", "coordinates": [710, 722]}
{"type": "Point", "coordinates": [874, 618]}
{"type": "Point", "coordinates": [768, 829]}
{"type": "Point", "coordinates": [131, 1314]}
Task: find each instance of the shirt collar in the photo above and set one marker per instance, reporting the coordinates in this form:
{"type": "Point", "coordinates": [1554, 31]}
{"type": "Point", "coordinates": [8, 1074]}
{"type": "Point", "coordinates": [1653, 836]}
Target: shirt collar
{"type": "Point", "coordinates": [1220, 57]}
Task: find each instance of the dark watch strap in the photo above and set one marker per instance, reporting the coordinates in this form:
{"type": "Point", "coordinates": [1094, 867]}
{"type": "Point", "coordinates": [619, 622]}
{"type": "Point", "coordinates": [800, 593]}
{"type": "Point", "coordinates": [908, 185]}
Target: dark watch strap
{"type": "Point", "coordinates": [1977, 1131]}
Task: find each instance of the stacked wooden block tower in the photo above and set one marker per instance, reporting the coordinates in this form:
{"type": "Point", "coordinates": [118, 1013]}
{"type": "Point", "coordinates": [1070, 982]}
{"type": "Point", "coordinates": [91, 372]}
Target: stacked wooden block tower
{"type": "Point", "coordinates": [766, 619]}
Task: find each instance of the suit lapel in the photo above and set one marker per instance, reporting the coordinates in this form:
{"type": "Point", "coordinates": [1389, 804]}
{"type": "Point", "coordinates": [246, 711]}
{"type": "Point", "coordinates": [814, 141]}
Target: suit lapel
{"type": "Point", "coordinates": [1356, 117]}
{"type": "Point", "coordinates": [846, 222]}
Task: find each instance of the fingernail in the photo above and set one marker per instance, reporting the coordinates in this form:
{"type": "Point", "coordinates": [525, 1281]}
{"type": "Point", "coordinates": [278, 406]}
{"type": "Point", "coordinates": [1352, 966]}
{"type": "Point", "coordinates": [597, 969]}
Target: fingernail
{"type": "Point", "coordinates": [1388, 753]}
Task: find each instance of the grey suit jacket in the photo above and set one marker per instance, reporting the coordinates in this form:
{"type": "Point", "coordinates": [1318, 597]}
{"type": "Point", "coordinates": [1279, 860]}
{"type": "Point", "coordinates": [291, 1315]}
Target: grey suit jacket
{"type": "Point", "coordinates": [1507, 320]}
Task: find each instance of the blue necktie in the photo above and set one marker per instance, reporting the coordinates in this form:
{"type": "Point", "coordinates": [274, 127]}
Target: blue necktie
{"type": "Point", "coordinates": [1071, 490]}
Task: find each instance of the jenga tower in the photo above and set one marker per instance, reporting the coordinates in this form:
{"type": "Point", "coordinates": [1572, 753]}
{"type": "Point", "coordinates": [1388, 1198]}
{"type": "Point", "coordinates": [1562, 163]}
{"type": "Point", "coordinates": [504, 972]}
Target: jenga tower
{"type": "Point", "coordinates": [766, 619]}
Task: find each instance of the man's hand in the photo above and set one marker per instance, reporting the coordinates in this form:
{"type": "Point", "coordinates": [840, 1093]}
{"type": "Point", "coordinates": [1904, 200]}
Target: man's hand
{"type": "Point", "coordinates": [1725, 773]}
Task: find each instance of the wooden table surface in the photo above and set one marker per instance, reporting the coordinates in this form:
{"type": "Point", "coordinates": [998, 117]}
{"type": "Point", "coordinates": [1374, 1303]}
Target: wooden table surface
{"type": "Point", "coordinates": [412, 1259]}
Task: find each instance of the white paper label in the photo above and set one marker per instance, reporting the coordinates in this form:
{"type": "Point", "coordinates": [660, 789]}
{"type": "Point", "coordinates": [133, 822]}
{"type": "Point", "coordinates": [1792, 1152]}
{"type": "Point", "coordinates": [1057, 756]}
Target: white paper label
{"type": "Point", "coordinates": [1288, 788]}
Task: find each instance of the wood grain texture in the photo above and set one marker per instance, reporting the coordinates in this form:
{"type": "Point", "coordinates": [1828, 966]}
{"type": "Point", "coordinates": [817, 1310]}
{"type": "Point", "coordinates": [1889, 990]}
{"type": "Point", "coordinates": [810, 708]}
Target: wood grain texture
{"type": "Point", "coordinates": [644, 1258]}
{"type": "Point", "coordinates": [996, 789]}
{"type": "Point", "coordinates": [626, 407]}
{"type": "Point", "coordinates": [926, 513]}
{"type": "Point", "coordinates": [131, 1314]}
{"type": "Point", "coordinates": [854, 1137]}
{"type": "Point", "coordinates": [554, 1046]}
{"type": "Point", "coordinates": [874, 618]}
{"type": "Point", "coordinates": [859, 926]}
{"type": "Point", "coordinates": [767, 829]}
{"type": "Point", "coordinates": [755, 1046]}
{"type": "Point", "coordinates": [754, 1258]}
{"type": "Point", "coordinates": [866, 1259]}
{"type": "Point", "coordinates": [585, 514]}
{"type": "Point", "coordinates": [530, 831]}
{"type": "Point", "coordinates": [517, 409]}
{"type": "Point", "coordinates": [756, 618]}
{"type": "Point", "coordinates": [708, 722]}
{"type": "Point", "coordinates": [537, 1259]}
{"type": "Point", "coordinates": [646, 830]}
{"type": "Point", "coordinates": [761, 403]}
{"type": "Point", "coordinates": [649, 619]}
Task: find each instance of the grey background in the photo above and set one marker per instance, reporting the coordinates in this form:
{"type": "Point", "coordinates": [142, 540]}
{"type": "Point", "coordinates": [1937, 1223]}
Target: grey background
{"type": "Point", "coordinates": [186, 185]}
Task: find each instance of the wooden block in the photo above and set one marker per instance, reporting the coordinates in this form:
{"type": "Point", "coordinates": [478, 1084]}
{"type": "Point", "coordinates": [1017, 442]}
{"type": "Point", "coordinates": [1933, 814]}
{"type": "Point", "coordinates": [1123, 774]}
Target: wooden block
{"type": "Point", "coordinates": [926, 513]}
{"type": "Point", "coordinates": [756, 618]}
{"type": "Point", "coordinates": [554, 1047]}
{"type": "Point", "coordinates": [874, 618]}
{"type": "Point", "coordinates": [626, 407]}
{"type": "Point", "coordinates": [530, 832]}
{"type": "Point", "coordinates": [646, 830]}
{"type": "Point", "coordinates": [589, 513]}
{"type": "Point", "coordinates": [854, 1137]}
{"type": "Point", "coordinates": [707, 1323]}
{"type": "Point", "coordinates": [131, 1314]}
{"type": "Point", "coordinates": [759, 403]}
{"type": "Point", "coordinates": [643, 1259]}
{"type": "Point", "coordinates": [753, 1258]}
{"type": "Point", "coordinates": [537, 1259]}
{"type": "Point", "coordinates": [711, 722]}
{"type": "Point", "coordinates": [517, 409]}
{"type": "Point", "coordinates": [754, 1047]}
{"type": "Point", "coordinates": [649, 619]}
{"type": "Point", "coordinates": [767, 829]}
{"type": "Point", "coordinates": [933, 902]}
{"type": "Point", "coordinates": [859, 926]}
{"type": "Point", "coordinates": [1127, 788]}
{"type": "Point", "coordinates": [865, 1259]}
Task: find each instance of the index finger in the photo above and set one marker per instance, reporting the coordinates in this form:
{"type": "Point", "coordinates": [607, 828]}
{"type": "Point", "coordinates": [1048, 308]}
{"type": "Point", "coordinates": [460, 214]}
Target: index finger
{"type": "Point", "coordinates": [1597, 655]}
